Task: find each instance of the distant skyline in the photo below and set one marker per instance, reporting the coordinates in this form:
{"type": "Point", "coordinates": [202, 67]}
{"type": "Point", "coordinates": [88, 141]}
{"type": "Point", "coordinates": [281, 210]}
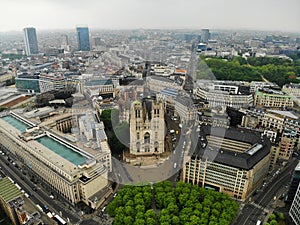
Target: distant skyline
{"type": "Point", "coordinates": [269, 15]}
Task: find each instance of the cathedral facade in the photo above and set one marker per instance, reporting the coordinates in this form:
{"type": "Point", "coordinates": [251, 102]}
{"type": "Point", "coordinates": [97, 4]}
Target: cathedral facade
{"type": "Point", "coordinates": [147, 127]}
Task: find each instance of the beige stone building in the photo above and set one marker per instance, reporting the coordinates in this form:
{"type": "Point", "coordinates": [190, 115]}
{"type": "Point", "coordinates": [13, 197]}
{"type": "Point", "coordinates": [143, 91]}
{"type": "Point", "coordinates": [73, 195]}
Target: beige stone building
{"type": "Point", "coordinates": [272, 99]}
{"type": "Point", "coordinates": [274, 122]}
{"type": "Point", "coordinates": [291, 89]}
{"type": "Point", "coordinates": [18, 207]}
{"type": "Point", "coordinates": [75, 173]}
{"type": "Point", "coordinates": [224, 93]}
{"type": "Point", "coordinates": [234, 164]}
{"type": "Point", "coordinates": [287, 144]}
{"type": "Point", "coordinates": [147, 127]}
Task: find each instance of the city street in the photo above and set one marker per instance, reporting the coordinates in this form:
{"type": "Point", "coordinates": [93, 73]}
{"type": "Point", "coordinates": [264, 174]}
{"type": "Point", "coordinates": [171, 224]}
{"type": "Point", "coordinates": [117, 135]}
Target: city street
{"type": "Point", "coordinates": [40, 196]}
{"type": "Point", "coordinates": [263, 201]}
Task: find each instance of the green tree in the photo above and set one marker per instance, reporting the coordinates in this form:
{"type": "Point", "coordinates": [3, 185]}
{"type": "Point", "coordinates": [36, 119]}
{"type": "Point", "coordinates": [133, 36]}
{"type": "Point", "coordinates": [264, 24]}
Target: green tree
{"type": "Point", "coordinates": [272, 216]}
{"type": "Point", "coordinates": [273, 222]}
{"type": "Point", "coordinates": [139, 222]}
{"type": "Point", "coordinates": [150, 221]}
{"type": "Point", "coordinates": [183, 198]}
{"type": "Point", "coordinates": [175, 220]}
{"type": "Point", "coordinates": [147, 197]}
{"type": "Point", "coordinates": [280, 216]}
{"type": "Point", "coordinates": [150, 214]}
{"type": "Point", "coordinates": [195, 220]}
{"type": "Point", "coordinates": [129, 211]}
{"type": "Point", "coordinates": [140, 215]}
{"type": "Point", "coordinates": [173, 208]}
{"type": "Point", "coordinates": [140, 208]}
{"type": "Point", "coordinates": [128, 220]}
{"type": "Point", "coordinates": [164, 216]}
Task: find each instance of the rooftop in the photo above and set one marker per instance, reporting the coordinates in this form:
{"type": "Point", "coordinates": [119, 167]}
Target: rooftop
{"type": "Point", "coordinates": [170, 92]}
{"type": "Point", "coordinates": [62, 150]}
{"type": "Point", "coordinates": [291, 85]}
{"type": "Point", "coordinates": [15, 123]}
{"type": "Point", "coordinates": [8, 191]}
{"type": "Point", "coordinates": [163, 79]}
{"type": "Point", "coordinates": [285, 113]}
{"type": "Point", "coordinates": [99, 82]}
{"type": "Point", "coordinates": [64, 156]}
{"type": "Point", "coordinates": [268, 91]}
{"type": "Point", "coordinates": [236, 148]}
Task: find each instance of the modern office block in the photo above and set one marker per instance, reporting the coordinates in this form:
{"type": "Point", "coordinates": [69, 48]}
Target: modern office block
{"type": "Point", "coordinates": [228, 161]}
{"type": "Point", "coordinates": [205, 35]}
{"type": "Point", "coordinates": [294, 184]}
{"type": "Point", "coordinates": [295, 208]}
{"type": "Point", "coordinates": [30, 39]}
{"type": "Point", "coordinates": [83, 38]}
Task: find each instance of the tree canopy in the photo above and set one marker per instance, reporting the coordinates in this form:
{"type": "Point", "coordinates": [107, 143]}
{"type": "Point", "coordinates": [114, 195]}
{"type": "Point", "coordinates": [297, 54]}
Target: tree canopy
{"type": "Point", "coordinates": [165, 204]}
{"type": "Point", "coordinates": [117, 133]}
{"type": "Point", "coordinates": [280, 71]}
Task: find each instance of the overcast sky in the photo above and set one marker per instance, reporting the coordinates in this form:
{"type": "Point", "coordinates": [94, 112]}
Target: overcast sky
{"type": "Point", "coordinates": [281, 15]}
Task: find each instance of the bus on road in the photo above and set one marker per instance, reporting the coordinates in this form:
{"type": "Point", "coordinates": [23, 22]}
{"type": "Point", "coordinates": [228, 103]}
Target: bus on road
{"type": "Point", "coordinates": [59, 220]}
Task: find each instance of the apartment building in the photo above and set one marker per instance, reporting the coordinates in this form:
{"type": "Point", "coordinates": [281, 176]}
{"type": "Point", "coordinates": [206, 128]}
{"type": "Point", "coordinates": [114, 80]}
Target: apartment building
{"type": "Point", "coordinates": [232, 94]}
{"type": "Point", "coordinates": [49, 82]}
{"type": "Point", "coordinates": [271, 98]}
{"type": "Point", "coordinates": [282, 127]}
{"type": "Point", "coordinates": [291, 89]}
{"type": "Point", "coordinates": [185, 108]}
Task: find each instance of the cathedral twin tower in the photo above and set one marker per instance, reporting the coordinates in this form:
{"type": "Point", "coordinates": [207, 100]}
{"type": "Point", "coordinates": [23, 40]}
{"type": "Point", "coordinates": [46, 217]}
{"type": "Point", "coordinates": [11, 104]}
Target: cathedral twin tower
{"type": "Point", "coordinates": [147, 127]}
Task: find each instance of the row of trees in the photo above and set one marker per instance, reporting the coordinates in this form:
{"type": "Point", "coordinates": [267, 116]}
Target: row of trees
{"type": "Point", "coordinates": [117, 133]}
{"type": "Point", "coordinates": [276, 218]}
{"type": "Point", "coordinates": [133, 205]}
{"type": "Point", "coordinates": [280, 71]}
{"type": "Point", "coordinates": [185, 204]}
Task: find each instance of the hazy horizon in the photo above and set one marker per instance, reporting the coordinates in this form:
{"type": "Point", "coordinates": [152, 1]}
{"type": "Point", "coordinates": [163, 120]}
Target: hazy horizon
{"type": "Point", "coordinates": [260, 15]}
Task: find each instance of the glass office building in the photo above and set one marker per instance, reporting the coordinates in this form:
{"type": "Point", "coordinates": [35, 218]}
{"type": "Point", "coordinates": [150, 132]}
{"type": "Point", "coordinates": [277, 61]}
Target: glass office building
{"type": "Point", "coordinates": [83, 38]}
{"type": "Point", "coordinates": [30, 39]}
{"type": "Point", "coordinates": [295, 208]}
{"type": "Point", "coordinates": [28, 83]}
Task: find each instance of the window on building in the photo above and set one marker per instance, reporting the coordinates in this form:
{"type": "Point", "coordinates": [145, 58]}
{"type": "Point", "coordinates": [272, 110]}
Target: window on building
{"type": "Point", "coordinates": [156, 145]}
{"type": "Point", "coordinates": [137, 113]}
{"type": "Point", "coordinates": [147, 138]}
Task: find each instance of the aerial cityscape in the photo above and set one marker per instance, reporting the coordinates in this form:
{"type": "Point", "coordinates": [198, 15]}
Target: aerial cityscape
{"type": "Point", "coordinates": [147, 120]}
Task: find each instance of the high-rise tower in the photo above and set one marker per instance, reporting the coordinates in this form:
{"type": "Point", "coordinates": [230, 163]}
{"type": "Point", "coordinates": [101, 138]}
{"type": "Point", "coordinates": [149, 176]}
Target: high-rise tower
{"type": "Point", "coordinates": [205, 35]}
{"type": "Point", "coordinates": [31, 44]}
{"type": "Point", "coordinates": [65, 42]}
{"type": "Point", "coordinates": [83, 38]}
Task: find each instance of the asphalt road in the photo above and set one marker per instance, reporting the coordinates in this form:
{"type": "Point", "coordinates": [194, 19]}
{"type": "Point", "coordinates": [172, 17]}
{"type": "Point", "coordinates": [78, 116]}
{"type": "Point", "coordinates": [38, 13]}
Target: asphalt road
{"type": "Point", "coordinates": [276, 184]}
{"type": "Point", "coordinates": [40, 196]}
{"type": "Point", "coordinates": [254, 211]}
